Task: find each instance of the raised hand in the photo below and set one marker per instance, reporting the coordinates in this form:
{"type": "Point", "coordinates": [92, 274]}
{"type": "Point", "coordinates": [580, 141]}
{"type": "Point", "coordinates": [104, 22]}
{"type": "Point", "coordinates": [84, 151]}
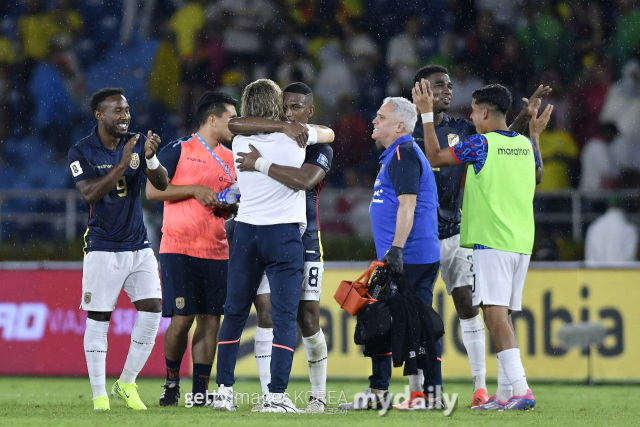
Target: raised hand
{"type": "Point", "coordinates": [128, 150]}
{"type": "Point", "coordinates": [423, 96]}
{"type": "Point", "coordinates": [296, 131]}
{"type": "Point", "coordinates": [246, 162]}
{"type": "Point", "coordinates": [537, 124]}
{"type": "Point", "coordinates": [532, 104]}
{"type": "Point", "coordinates": [152, 144]}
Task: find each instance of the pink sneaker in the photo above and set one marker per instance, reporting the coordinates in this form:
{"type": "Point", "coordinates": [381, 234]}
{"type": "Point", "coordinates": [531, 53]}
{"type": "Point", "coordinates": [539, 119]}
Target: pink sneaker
{"type": "Point", "coordinates": [493, 404]}
{"type": "Point", "coordinates": [418, 400]}
{"type": "Point", "coordinates": [522, 403]}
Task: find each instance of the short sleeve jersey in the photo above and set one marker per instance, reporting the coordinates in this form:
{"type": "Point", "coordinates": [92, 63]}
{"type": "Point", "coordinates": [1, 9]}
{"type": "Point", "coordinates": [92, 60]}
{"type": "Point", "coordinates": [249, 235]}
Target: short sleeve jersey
{"type": "Point", "coordinates": [404, 169]}
{"type": "Point", "coordinates": [319, 155]}
{"type": "Point", "coordinates": [450, 132]}
{"type": "Point", "coordinates": [188, 227]}
{"type": "Point", "coordinates": [115, 222]}
{"type": "Point", "coordinates": [474, 150]}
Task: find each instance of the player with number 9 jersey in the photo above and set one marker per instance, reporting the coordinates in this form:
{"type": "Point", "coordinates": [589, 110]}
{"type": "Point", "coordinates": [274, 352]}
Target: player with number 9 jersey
{"type": "Point", "coordinates": [107, 168]}
{"type": "Point", "coordinates": [115, 221]}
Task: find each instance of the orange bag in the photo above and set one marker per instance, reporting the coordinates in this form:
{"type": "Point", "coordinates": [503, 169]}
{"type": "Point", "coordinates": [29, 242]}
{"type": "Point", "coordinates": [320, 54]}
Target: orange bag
{"type": "Point", "coordinates": [353, 296]}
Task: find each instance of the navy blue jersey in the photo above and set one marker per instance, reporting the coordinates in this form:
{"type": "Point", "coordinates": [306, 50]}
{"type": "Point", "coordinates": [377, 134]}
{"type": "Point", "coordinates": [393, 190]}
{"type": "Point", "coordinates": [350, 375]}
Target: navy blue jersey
{"type": "Point", "coordinates": [317, 155]}
{"type": "Point", "coordinates": [170, 154]}
{"type": "Point", "coordinates": [450, 132]}
{"type": "Point", "coordinates": [115, 221]}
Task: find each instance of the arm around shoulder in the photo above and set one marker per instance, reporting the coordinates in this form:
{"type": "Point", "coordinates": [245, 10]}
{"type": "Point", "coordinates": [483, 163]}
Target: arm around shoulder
{"type": "Point", "coordinates": [325, 134]}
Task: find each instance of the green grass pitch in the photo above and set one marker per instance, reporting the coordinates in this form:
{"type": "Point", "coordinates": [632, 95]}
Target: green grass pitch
{"type": "Point", "coordinates": [67, 402]}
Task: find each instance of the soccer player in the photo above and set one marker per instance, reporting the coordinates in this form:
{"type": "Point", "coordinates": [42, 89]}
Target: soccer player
{"type": "Point", "coordinates": [497, 221]}
{"type": "Point", "coordinates": [107, 168]}
{"type": "Point", "coordinates": [456, 263]}
{"type": "Point", "coordinates": [194, 251]}
{"type": "Point", "coordinates": [267, 237]}
{"type": "Point", "coordinates": [299, 108]}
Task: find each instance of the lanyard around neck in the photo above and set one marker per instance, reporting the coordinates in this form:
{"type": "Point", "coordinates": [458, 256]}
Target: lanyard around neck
{"type": "Point", "coordinates": [214, 156]}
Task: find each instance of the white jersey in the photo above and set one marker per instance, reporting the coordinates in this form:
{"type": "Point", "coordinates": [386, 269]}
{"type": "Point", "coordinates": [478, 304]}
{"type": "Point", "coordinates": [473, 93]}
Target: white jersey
{"type": "Point", "coordinates": [265, 201]}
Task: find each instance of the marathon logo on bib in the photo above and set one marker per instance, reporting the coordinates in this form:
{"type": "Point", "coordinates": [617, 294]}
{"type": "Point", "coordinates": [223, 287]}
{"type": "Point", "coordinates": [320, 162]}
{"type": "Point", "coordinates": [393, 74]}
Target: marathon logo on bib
{"type": "Point", "coordinates": [514, 151]}
{"type": "Point", "coordinates": [322, 159]}
{"type": "Point", "coordinates": [76, 169]}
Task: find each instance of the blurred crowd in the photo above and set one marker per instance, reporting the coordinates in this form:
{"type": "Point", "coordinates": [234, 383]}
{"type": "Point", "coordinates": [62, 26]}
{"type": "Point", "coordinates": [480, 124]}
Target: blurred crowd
{"type": "Point", "coordinates": [353, 53]}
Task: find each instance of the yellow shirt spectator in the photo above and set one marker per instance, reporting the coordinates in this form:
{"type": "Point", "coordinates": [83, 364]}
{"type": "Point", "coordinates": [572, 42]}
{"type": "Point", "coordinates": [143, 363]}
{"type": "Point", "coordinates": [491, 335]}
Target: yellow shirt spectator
{"type": "Point", "coordinates": [186, 23]}
{"type": "Point", "coordinates": [7, 56]}
{"type": "Point", "coordinates": [164, 81]}
{"type": "Point", "coordinates": [559, 150]}
{"type": "Point", "coordinates": [37, 30]}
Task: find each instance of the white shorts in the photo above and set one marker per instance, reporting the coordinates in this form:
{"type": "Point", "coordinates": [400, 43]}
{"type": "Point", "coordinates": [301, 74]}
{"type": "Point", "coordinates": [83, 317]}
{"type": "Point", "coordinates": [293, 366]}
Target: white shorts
{"type": "Point", "coordinates": [456, 264]}
{"type": "Point", "coordinates": [499, 278]}
{"type": "Point", "coordinates": [311, 282]}
{"type": "Point", "coordinates": [105, 274]}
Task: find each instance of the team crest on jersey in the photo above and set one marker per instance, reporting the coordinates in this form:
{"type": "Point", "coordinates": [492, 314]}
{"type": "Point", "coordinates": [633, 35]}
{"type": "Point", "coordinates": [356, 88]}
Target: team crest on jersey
{"type": "Point", "coordinates": [87, 297]}
{"type": "Point", "coordinates": [180, 303]}
{"type": "Point", "coordinates": [453, 139]}
{"type": "Point", "coordinates": [135, 161]}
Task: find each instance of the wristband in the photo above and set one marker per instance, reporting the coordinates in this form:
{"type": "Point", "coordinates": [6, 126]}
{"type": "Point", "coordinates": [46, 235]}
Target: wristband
{"type": "Point", "coordinates": [153, 163]}
{"type": "Point", "coordinates": [427, 117]}
{"type": "Point", "coordinates": [313, 135]}
{"type": "Point", "coordinates": [262, 165]}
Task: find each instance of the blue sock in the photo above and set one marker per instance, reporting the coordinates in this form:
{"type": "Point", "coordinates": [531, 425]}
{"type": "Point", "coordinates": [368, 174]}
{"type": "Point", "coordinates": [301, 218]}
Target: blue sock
{"type": "Point", "coordinates": [201, 373]}
{"type": "Point", "coordinates": [173, 371]}
{"type": "Point", "coordinates": [433, 379]}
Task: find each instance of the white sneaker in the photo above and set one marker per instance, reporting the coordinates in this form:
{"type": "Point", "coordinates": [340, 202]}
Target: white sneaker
{"type": "Point", "coordinates": [278, 402]}
{"type": "Point", "coordinates": [317, 405]}
{"type": "Point", "coordinates": [223, 400]}
{"type": "Point", "coordinates": [260, 404]}
{"type": "Point", "coordinates": [365, 401]}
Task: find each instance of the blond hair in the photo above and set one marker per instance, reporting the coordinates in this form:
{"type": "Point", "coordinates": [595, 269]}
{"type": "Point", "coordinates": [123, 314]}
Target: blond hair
{"type": "Point", "coordinates": [263, 98]}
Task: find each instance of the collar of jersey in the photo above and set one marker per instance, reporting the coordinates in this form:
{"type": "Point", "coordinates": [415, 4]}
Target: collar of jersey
{"type": "Point", "coordinates": [506, 133]}
{"type": "Point", "coordinates": [95, 141]}
{"type": "Point", "coordinates": [397, 142]}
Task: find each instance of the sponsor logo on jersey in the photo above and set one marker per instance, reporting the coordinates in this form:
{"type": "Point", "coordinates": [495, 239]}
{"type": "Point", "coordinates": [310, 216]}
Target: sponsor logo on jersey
{"type": "Point", "coordinates": [322, 159]}
{"type": "Point", "coordinates": [453, 139]}
{"type": "Point", "coordinates": [76, 169]}
{"type": "Point", "coordinates": [180, 303]}
{"type": "Point", "coordinates": [514, 151]}
{"type": "Point", "coordinates": [104, 166]}
{"type": "Point", "coordinates": [135, 161]}
{"type": "Point", "coordinates": [198, 160]}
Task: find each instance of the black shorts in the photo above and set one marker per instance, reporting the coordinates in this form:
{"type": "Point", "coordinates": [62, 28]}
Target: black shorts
{"type": "Point", "coordinates": [192, 285]}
